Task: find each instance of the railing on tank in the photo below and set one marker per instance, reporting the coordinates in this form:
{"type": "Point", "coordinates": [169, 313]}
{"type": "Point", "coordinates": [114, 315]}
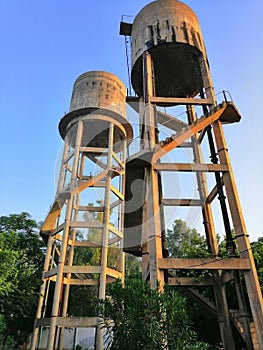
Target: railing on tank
{"type": "Point", "coordinates": [223, 96]}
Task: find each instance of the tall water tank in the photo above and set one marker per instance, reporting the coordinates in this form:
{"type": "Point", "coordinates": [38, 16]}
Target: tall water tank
{"type": "Point", "coordinates": [170, 31]}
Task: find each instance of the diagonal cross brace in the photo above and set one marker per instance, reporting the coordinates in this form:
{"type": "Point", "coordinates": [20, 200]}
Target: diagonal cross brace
{"type": "Point", "coordinates": [193, 129]}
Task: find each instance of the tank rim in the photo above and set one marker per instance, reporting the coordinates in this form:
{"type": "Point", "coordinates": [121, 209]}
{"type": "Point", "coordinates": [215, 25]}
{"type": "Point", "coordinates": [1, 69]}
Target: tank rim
{"type": "Point", "coordinates": [99, 73]}
{"type": "Point", "coordinates": [69, 117]}
{"type": "Point", "coordinates": [158, 1]}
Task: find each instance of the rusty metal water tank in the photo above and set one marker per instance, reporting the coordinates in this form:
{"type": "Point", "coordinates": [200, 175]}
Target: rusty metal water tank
{"type": "Point", "coordinates": [170, 31]}
{"type": "Point", "coordinates": [98, 98]}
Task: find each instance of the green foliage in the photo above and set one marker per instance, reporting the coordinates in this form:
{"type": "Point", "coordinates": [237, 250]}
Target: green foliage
{"type": "Point", "coordinates": [132, 265]}
{"type": "Point", "coordinates": [183, 242]}
{"type": "Point", "coordinates": [6, 342]}
{"type": "Point", "coordinates": [8, 263]}
{"type": "Point", "coordinates": [258, 256]}
{"type": "Point", "coordinates": [83, 301]}
{"type": "Point", "coordinates": [144, 318]}
{"type": "Point", "coordinates": [22, 255]}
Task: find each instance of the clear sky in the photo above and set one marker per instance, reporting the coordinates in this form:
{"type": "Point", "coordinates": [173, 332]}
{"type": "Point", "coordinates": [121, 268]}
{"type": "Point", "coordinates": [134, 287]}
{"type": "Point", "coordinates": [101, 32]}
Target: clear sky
{"type": "Point", "coordinates": [46, 45]}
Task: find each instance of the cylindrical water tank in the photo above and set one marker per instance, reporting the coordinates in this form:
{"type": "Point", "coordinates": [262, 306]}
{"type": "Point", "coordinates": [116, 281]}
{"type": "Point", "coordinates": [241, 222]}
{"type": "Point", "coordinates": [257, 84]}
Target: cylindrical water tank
{"type": "Point", "coordinates": [98, 98]}
{"type": "Point", "coordinates": [97, 89]}
{"type": "Point", "coordinates": [170, 31]}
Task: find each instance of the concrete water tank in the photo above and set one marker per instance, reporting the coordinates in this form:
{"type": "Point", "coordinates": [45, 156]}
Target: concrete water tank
{"type": "Point", "coordinates": [170, 31]}
{"type": "Point", "coordinates": [99, 90]}
{"type": "Point", "coordinates": [98, 98]}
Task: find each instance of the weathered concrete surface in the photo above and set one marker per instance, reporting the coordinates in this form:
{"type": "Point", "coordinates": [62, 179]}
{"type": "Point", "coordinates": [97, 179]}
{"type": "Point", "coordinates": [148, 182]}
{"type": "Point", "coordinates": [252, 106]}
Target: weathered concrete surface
{"type": "Point", "coordinates": [170, 31]}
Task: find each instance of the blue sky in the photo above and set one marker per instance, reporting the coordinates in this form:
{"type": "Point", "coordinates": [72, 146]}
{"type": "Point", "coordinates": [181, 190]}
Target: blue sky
{"type": "Point", "coordinates": [46, 45]}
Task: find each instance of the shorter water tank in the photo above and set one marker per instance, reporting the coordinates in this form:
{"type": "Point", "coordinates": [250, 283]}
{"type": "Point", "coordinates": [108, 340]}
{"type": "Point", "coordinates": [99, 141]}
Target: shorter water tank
{"type": "Point", "coordinates": [170, 31]}
{"type": "Point", "coordinates": [98, 98]}
{"type": "Point", "coordinates": [99, 89]}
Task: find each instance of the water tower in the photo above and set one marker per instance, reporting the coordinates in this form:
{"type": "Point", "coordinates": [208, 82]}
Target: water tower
{"type": "Point", "coordinates": [84, 227]}
{"type": "Point", "coordinates": [170, 70]}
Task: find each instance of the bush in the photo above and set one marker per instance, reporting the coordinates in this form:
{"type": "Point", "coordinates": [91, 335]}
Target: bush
{"type": "Point", "coordinates": [6, 342]}
{"type": "Point", "coordinates": [138, 317]}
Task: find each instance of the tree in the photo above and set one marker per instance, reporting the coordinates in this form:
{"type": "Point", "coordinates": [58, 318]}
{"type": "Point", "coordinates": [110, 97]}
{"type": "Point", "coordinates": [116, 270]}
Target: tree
{"type": "Point", "coordinates": [8, 262]}
{"type": "Point", "coordinates": [257, 248]}
{"type": "Point", "coordinates": [132, 266]}
{"type": "Point", "coordinates": [6, 342]}
{"type": "Point", "coordinates": [144, 318]}
{"type": "Point", "coordinates": [22, 255]}
{"type": "Point", "coordinates": [183, 242]}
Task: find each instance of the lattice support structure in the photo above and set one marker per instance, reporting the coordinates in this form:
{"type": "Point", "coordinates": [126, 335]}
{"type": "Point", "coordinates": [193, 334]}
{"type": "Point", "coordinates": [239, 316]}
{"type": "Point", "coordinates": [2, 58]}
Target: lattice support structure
{"type": "Point", "coordinates": [195, 133]}
{"type": "Point", "coordinates": [84, 228]}
{"type": "Point", "coordinates": [170, 69]}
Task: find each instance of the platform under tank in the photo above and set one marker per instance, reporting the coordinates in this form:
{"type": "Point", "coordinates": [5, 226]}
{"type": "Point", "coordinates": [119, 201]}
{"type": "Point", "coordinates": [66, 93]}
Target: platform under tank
{"type": "Point", "coordinates": [170, 31]}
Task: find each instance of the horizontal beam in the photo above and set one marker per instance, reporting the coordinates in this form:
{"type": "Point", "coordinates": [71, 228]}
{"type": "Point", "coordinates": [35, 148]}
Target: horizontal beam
{"type": "Point", "coordinates": [86, 244]}
{"type": "Point", "coordinates": [80, 282]}
{"type": "Point", "coordinates": [82, 269]}
{"type": "Point", "coordinates": [180, 101]}
{"type": "Point", "coordinates": [94, 150]}
{"type": "Point", "coordinates": [182, 202]}
{"type": "Point", "coordinates": [189, 281]}
{"type": "Point", "coordinates": [190, 167]}
{"type": "Point", "coordinates": [86, 224]}
{"type": "Point", "coordinates": [204, 264]}
{"type": "Point", "coordinates": [92, 208]}
{"type": "Point", "coordinates": [70, 322]}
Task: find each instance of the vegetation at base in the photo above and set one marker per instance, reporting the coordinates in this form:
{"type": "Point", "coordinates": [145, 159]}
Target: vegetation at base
{"type": "Point", "coordinates": [257, 248]}
{"type": "Point", "coordinates": [144, 318]}
{"type": "Point", "coordinates": [22, 253]}
{"type": "Point", "coordinates": [22, 259]}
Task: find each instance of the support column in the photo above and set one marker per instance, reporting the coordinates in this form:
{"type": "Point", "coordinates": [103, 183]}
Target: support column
{"type": "Point", "coordinates": [105, 238]}
{"type": "Point", "coordinates": [251, 278]}
{"type": "Point", "coordinates": [64, 246]}
{"type": "Point", "coordinates": [68, 276]}
{"type": "Point", "coordinates": [62, 167]}
{"type": "Point", "coordinates": [122, 208]}
{"type": "Point", "coordinates": [154, 228]}
{"type": "Point", "coordinates": [35, 336]}
{"type": "Point", "coordinates": [243, 312]}
{"type": "Point", "coordinates": [219, 290]}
